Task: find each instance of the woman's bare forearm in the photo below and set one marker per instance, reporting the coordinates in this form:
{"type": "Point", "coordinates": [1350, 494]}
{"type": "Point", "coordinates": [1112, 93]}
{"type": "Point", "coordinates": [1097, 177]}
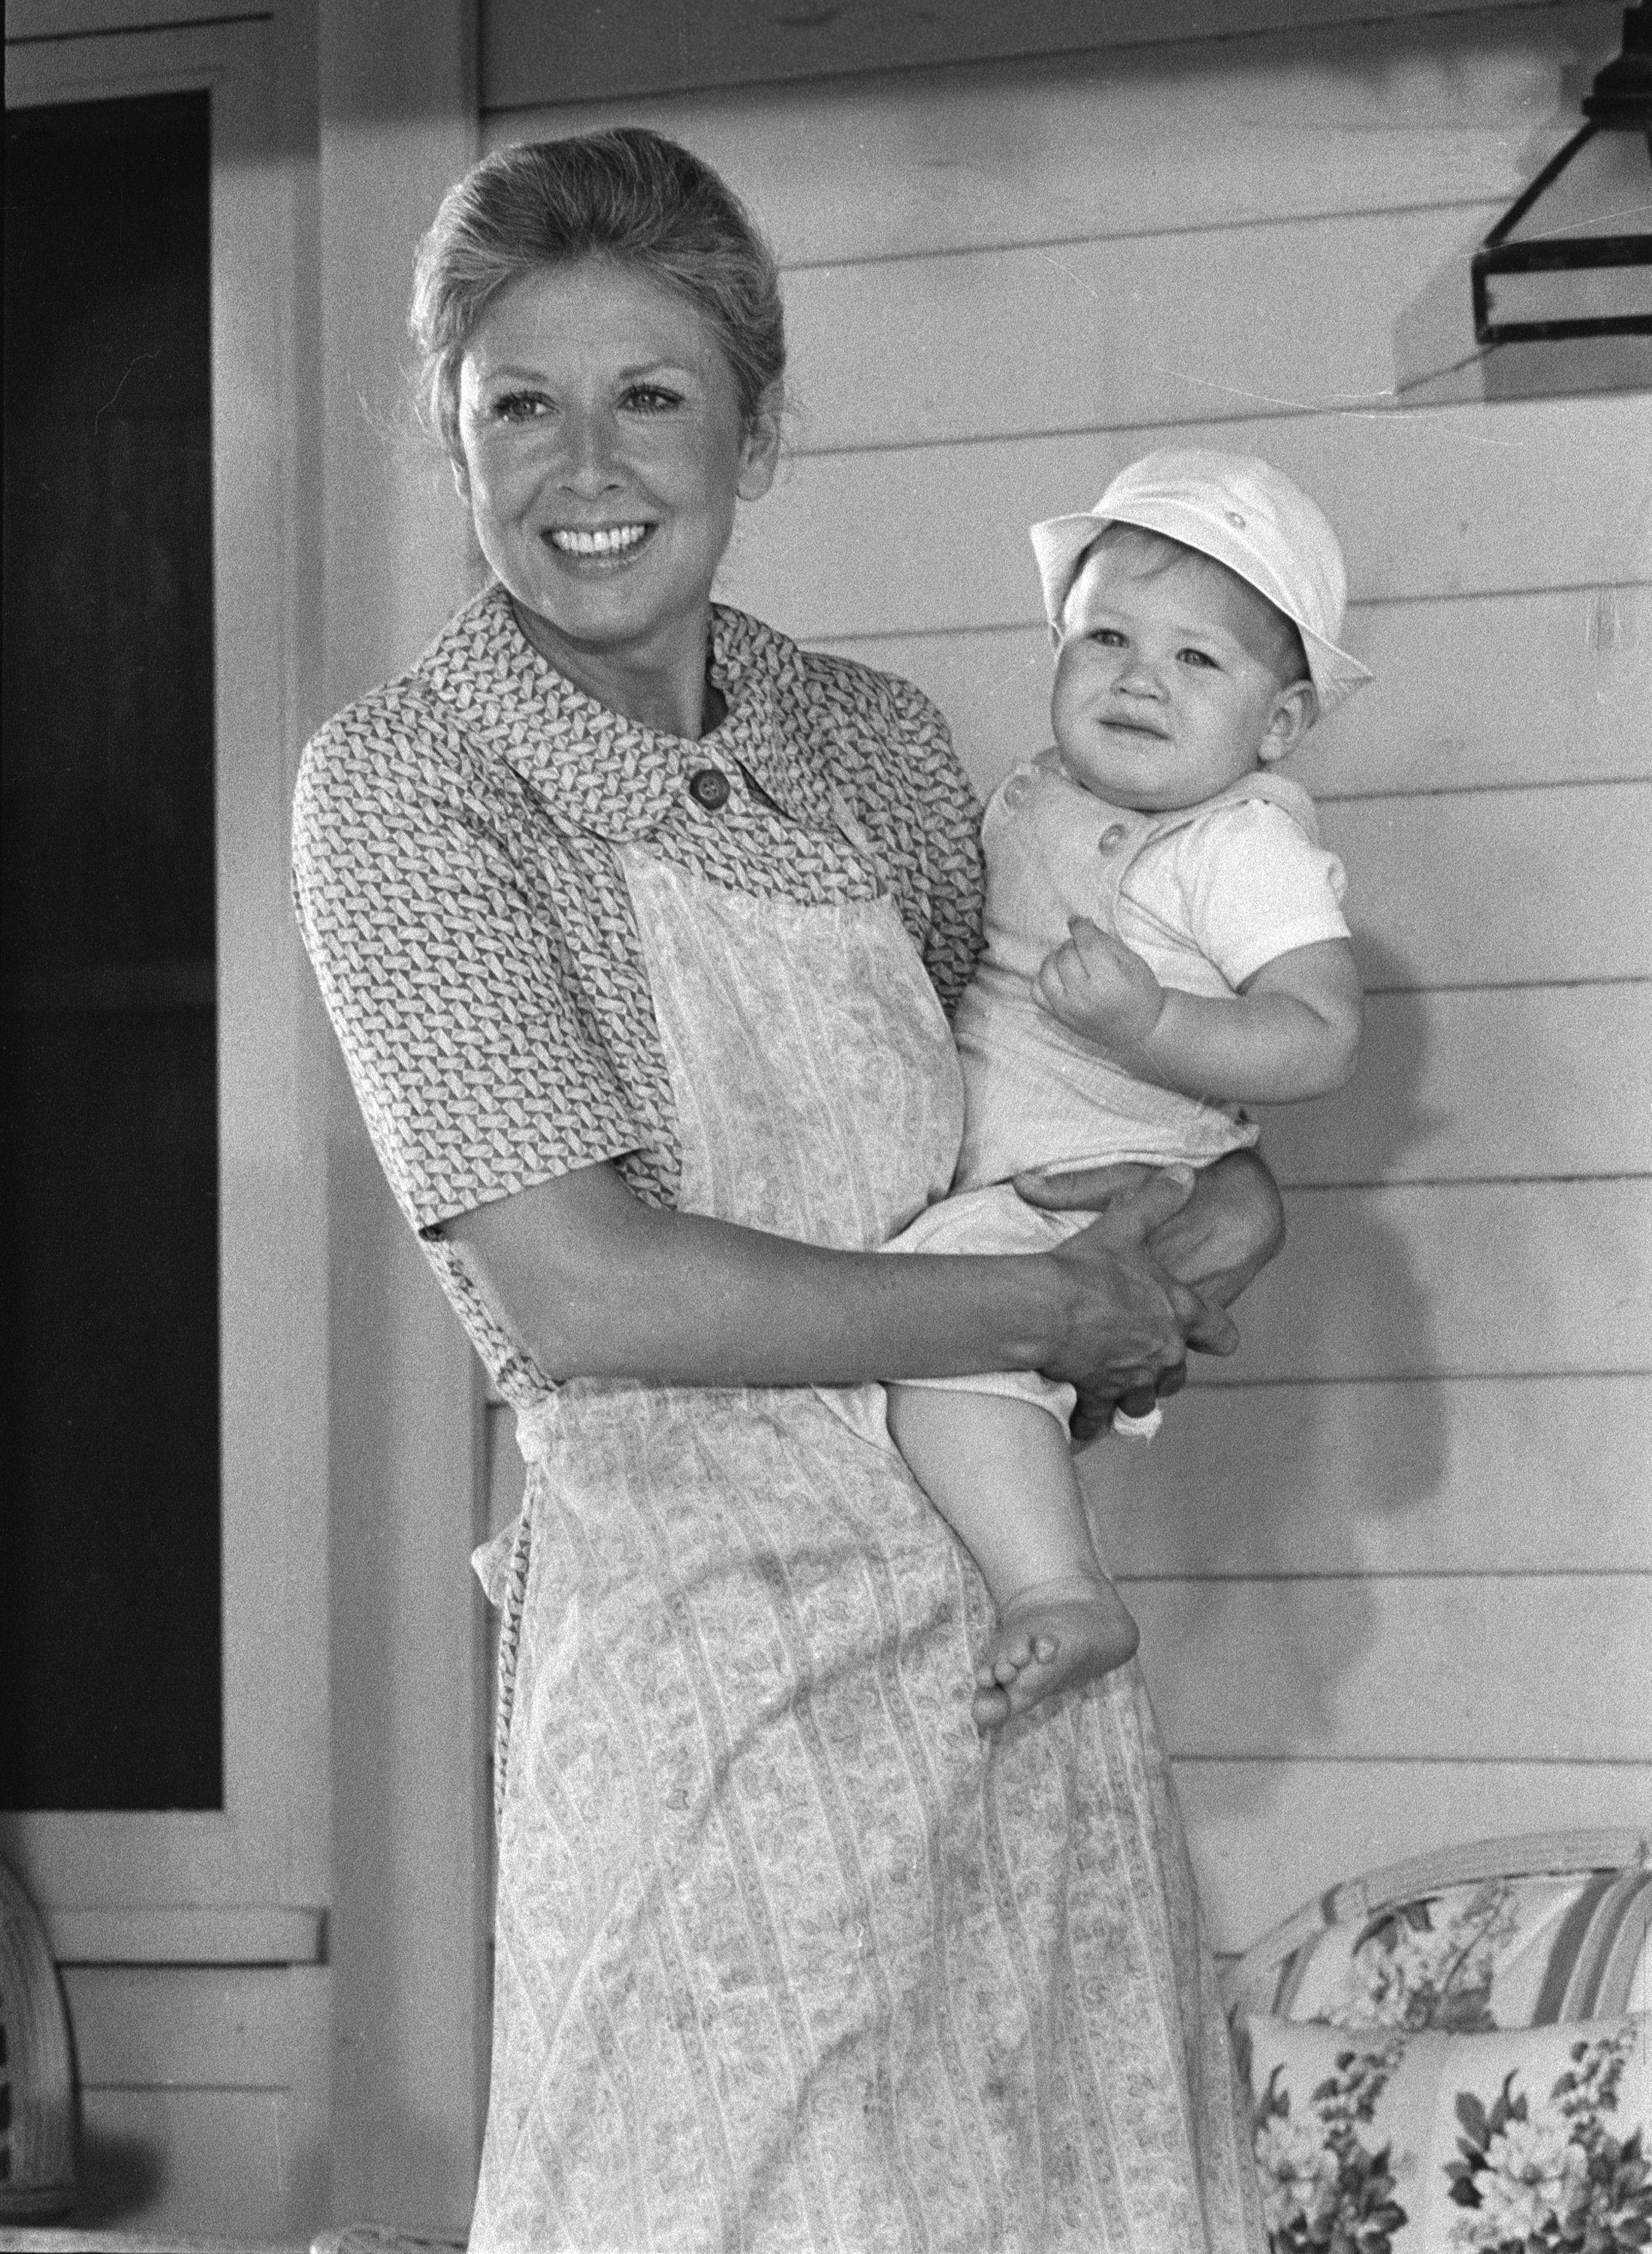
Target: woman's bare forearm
{"type": "Point", "coordinates": [598, 1285]}
{"type": "Point", "coordinates": [594, 1284]}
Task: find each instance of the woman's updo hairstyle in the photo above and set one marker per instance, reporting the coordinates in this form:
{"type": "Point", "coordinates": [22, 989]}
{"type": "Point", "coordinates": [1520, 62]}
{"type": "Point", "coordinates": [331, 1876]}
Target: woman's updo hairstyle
{"type": "Point", "coordinates": [628, 195]}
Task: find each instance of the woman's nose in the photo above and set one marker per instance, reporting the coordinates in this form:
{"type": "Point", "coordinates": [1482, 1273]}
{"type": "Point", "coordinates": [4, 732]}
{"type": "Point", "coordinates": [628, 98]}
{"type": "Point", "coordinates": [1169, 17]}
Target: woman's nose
{"type": "Point", "coordinates": [589, 463]}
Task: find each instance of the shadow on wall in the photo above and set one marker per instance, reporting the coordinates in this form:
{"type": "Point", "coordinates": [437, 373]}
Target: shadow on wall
{"type": "Point", "coordinates": [1252, 1527]}
{"type": "Point", "coordinates": [116, 2177]}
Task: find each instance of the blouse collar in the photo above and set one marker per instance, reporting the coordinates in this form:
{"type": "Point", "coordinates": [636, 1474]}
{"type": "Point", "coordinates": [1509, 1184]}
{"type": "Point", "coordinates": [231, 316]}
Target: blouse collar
{"type": "Point", "coordinates": [599, 769]}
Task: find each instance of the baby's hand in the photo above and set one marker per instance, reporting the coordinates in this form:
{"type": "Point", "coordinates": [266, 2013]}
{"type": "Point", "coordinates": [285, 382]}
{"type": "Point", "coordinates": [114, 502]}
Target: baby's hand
{"type": "Point", "coordinates": [1098, 989]}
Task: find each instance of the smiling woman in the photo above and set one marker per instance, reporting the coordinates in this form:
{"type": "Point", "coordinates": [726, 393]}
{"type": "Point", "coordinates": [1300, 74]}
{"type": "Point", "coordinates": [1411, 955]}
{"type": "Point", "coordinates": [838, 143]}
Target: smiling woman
{"type": "Point", "coordinates": [602, 449]}
{"type": "Point", "coordinates": [637, 925]}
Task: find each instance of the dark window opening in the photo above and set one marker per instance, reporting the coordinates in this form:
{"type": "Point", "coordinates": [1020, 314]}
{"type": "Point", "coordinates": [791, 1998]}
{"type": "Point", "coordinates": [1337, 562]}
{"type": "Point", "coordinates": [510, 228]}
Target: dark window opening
{"type": "Point", "coordinates": [110, 1602]}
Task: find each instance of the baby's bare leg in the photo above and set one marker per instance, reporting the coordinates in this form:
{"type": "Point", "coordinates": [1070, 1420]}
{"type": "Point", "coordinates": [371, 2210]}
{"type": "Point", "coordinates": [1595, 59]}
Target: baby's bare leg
{"type": "Point", "coordinates": [1000, 1472]}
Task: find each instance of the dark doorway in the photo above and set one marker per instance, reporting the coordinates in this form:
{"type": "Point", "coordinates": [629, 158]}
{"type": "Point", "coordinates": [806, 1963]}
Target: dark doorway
{"type": "Point", "coordinates": [111, 1681]}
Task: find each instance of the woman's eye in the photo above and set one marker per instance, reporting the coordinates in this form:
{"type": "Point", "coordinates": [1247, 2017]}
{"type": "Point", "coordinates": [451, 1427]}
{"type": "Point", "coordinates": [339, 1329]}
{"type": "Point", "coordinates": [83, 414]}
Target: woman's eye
{"type": "Point", "coordinates": [652, 399]}
{"type": "Point", "coordinates": [521, 406]}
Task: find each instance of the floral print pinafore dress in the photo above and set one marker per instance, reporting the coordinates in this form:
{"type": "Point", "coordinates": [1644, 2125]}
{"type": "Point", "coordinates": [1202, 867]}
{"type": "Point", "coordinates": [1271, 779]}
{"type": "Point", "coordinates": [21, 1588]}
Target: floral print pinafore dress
{"type": "Point", "coordinates": [789, 1957]}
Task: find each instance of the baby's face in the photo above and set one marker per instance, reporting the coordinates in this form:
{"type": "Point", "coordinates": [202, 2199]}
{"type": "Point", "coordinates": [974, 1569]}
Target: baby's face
{"type": "Point", "coordinates": [1167, 688]}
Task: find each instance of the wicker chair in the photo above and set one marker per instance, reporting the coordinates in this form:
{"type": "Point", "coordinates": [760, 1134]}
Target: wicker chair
{"type": "Point", "coordinates": [1592, 1966]}
{"type": "Point", "coordinates": [37, 2069]}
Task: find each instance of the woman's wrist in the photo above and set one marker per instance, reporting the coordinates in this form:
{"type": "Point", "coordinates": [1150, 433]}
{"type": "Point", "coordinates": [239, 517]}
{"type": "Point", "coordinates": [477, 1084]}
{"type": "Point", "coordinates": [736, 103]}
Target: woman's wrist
{"type": "Point", "coordinates": [1037, 1306]}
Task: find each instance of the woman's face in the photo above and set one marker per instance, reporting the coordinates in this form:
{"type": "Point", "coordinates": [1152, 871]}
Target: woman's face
{"type": "Point", "coordinates": [603, 451]}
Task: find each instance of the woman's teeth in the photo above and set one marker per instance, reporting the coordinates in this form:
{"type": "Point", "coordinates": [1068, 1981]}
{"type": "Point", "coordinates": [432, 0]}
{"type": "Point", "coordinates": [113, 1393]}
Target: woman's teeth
{"type": "Point", "coordinates": [612, 539]}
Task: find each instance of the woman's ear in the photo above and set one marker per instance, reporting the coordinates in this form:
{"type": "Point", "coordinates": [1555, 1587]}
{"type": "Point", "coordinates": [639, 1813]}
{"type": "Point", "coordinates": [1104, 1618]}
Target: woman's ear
{"type": "Point", "coordinates": [461, 478]}
{"type": "Point", "coordinates": [1295, 710]}
{"type": "Point", "coordinates": [760, 447]}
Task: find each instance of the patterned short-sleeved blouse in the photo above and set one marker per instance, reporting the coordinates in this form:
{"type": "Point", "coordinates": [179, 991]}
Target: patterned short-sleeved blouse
{"type": "Point", "coordinates": [460, 893]}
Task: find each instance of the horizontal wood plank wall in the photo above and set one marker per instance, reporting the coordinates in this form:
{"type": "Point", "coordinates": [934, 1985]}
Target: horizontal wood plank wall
{"type": "Point", "coordinates": [203, 2095]}
{"type": "Point", "coordinates": [629, 48]}
{"type": "Point", "coordinates": [1369, 1552]}
{"type": "Point", "coordinates": [1451, 715]}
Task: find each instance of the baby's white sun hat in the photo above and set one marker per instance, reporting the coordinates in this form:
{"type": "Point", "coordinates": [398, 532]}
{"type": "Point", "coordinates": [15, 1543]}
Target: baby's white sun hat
{"type": "Point", "coordinates": [1248, 515]}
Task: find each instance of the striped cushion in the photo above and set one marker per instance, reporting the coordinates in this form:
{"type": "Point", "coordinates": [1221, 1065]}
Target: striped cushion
{"type": "Point", "coordinates": [1512, 1934]}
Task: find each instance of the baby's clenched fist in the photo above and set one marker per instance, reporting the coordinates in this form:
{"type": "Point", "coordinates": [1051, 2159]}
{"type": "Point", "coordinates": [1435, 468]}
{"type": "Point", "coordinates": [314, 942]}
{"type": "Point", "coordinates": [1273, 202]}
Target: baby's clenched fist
{"type": "Point", "coordinates": [1097, 988]}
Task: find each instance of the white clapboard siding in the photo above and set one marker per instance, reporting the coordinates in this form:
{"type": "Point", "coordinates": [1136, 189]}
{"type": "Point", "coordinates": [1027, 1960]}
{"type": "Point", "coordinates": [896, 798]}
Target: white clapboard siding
{"type": "Point", "coordinates": [1485, 1083]}
{"type": "Point", "coordinates": [1267, 1836]}
{"type": "Point", "coordinates": [1372, 1668]}
{"type": "Point", "coordinates": [1494, 689]}
{"type": "Point", "coordinates": [1496, 887]}
{"type": "Point", "coordinates": [1542, 494]}
{"type": "Point", "coordinates": [1369, 1551]}
{"type": "Point", "coordinates": [1458, 1279]}
{"type": "Point", "coordinates": [722, 43]}
{"type": "Point", "coordinates": [179, 2067]}
{"type": "Point", "coordinates": [1085, 145]}
{"type": "Point", "coordinates": [202, 2026]}
{"type": "Point", "coordinates": [1117, 335]}
{"type": "Point", "coordinates": [1464, 1475]}
{"type": "Point", "coordinates": [1482, 689]}
{"type": "Point", "coordinates": [217, 2164]}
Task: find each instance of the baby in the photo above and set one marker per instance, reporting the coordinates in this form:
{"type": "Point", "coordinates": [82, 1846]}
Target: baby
{"type": "Point", "coordinates": [1163, 943]}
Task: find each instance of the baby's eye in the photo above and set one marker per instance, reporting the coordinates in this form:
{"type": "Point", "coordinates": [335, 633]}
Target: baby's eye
{"type": "Point", "coordinates": [1199, 657]}
{"type": "Point", "coordinates": [1109, 637]}
{"type": "Point", "coordinates": [521, 406]}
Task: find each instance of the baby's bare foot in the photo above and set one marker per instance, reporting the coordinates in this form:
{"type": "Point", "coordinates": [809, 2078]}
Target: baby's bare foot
{"type": "Point", "coordinates": [1051, 1637]}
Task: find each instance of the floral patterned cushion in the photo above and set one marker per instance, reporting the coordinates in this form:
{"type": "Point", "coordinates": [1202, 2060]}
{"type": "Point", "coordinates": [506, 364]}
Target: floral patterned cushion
{"type": "Point", "coordinates": [1393, 2142]}
{"type": "Point", "coordinates": [1520, 1933]}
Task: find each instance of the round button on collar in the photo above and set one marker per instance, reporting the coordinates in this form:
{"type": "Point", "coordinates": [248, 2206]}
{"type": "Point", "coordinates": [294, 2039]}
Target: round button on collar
{"type": "Point", "coordinates": [709, 787]}
{"type": "Point", "coordinates": [1113, 834]}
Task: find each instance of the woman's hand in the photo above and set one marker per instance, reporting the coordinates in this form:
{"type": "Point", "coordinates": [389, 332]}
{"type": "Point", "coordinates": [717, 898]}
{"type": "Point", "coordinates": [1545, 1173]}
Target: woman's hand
{"type": "Point", "coordinates": [1217, 1239]}
{"type": "Point", "coordinates": [594, 1284]}
{"type": "Point", "coordinates": [1213, 1239]}
{"type": "Point", "coordinates": [1135, 1364]}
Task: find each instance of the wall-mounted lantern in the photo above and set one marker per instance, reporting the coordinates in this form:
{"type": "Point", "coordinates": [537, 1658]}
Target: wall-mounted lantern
{"type": "Point", "coordinates": [1536, 310]}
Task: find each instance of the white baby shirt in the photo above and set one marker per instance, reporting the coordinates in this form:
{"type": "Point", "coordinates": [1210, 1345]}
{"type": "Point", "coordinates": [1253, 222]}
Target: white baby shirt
{"type": "Point", "coordinates": [1206, 895]}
